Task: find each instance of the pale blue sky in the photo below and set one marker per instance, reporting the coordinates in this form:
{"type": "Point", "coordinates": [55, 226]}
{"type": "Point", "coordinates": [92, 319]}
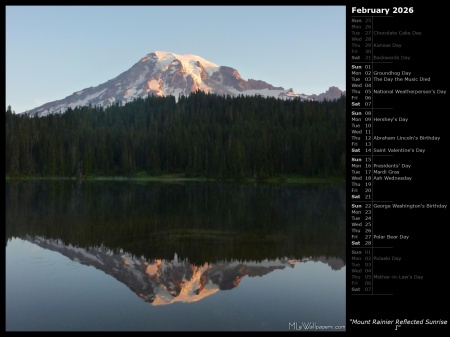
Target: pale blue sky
{"type": "Point", "coordinates": [53, 51]}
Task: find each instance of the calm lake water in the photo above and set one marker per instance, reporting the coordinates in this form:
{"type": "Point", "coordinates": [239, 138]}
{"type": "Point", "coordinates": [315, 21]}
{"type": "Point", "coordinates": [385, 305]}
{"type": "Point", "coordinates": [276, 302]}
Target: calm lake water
{"type": "Point", "coordinates": [127, 256]}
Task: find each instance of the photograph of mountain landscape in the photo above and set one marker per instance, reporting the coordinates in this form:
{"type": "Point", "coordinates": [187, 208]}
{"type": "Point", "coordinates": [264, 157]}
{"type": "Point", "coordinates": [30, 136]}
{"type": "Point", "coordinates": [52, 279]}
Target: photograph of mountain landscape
{"type": "Point", "coordinates": [175, 168]}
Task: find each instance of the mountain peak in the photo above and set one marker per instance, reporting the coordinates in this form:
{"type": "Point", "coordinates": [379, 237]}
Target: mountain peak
{"type": "Point", "coordinates": [163, 73]}
{"type": "Point", "coordinates": [165, 58]}
{"type": "Point", "coordinates": [332, 93]}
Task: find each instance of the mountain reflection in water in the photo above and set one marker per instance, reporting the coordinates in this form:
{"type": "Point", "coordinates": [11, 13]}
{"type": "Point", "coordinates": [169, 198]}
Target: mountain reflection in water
{"type": "Point", "coordinates": [74, 250]}
{"type": "Point", "coordinates": [161, 281]}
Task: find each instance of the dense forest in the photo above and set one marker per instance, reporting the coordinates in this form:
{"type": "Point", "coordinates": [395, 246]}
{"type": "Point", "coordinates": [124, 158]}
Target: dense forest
{"type": "Point", "coordinates": [200, 135]}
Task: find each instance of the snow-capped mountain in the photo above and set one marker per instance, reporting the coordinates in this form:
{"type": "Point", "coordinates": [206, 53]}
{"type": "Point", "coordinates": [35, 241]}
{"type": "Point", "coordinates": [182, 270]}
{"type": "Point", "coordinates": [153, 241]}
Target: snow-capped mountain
{"type": "Point", "coordinates": [163, 73]}
{"type": "Point", "coordinates": [161, 282]}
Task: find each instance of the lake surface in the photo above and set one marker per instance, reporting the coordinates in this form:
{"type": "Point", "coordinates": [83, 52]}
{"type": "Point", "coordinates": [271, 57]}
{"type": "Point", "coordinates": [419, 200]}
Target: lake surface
{"type": "Point", "coordinates": [187, 256]}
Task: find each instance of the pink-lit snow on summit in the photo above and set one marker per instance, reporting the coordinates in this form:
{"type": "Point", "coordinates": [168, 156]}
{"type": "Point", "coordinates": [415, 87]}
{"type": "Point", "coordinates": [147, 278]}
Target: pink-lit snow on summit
{"type": "Point", "coordinates": [163, 73]}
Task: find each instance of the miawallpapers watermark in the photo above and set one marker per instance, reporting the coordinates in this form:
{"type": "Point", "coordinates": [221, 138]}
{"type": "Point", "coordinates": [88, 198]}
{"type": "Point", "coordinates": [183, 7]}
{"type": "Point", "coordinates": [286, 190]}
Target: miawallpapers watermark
{"type": "Point", "coordinates": [313, 326]}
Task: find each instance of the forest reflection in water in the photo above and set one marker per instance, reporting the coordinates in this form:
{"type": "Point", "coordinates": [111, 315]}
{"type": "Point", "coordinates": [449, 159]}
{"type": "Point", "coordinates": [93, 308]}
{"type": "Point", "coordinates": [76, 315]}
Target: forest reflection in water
{"type": "Point", "coordinates": [204, 222]}
{"type": "Point", "coordinates": [181, 242]}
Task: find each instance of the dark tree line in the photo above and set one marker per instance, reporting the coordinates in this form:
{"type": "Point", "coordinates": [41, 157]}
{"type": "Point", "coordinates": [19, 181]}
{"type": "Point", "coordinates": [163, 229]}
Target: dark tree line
{"type": "Point", "coordinates": [198, 135]}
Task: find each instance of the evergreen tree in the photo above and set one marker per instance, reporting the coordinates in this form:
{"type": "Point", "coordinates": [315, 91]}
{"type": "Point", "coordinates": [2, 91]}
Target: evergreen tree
{"type": "Point", "coordinates": [199, 135]}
